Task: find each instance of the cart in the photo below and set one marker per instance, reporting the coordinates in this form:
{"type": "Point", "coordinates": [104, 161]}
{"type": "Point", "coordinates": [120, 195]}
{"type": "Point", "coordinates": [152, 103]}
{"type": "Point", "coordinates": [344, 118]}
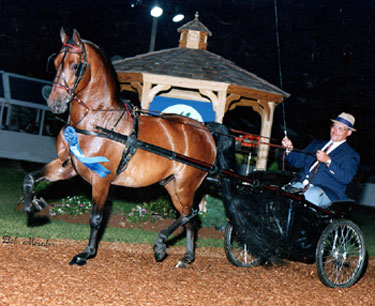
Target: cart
{"type": "Point", "coordinates": [307, 233]}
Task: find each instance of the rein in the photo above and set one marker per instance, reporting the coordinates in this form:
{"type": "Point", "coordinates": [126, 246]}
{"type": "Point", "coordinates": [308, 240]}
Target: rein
{"type": "Point", "coordinates": [160, 115]}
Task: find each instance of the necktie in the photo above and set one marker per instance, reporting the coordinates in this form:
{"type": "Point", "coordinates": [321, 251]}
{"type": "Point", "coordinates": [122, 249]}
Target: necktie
{"type": "Point", "coordinates": [315, 162]}
{"type": "Point", "coordinates": [315, 165]}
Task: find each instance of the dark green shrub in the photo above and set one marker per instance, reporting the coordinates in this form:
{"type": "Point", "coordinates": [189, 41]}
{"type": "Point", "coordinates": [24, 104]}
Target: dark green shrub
{"type": "Point", "coordinates": [215, 214]}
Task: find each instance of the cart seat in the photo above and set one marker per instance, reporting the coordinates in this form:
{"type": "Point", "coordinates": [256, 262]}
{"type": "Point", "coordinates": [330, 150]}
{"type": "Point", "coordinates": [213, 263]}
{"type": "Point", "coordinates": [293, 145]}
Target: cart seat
{"type": "Point", "coordinates": [341, 207]}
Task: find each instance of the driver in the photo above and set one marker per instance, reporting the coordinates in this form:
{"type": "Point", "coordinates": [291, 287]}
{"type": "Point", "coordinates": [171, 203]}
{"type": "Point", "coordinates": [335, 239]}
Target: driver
{"type": "Point", "coordinates": [326, 175]}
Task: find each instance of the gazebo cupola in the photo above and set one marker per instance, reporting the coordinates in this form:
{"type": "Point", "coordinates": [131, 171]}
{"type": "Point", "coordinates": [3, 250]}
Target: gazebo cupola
{"type": "Point", "coordinates": [194, 34]}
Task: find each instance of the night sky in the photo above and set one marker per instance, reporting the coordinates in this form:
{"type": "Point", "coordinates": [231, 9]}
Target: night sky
{"type": "Point", "coordinates": [327, 49]}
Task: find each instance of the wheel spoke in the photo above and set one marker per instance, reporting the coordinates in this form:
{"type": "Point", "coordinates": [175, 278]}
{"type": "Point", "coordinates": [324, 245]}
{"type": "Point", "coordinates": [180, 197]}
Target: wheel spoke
{"type": "Point", "coordinates": [236, 251]}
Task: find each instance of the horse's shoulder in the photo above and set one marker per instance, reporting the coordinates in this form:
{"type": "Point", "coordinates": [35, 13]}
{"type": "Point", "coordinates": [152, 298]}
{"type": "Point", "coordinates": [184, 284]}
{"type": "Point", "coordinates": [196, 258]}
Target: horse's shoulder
{"type": "Point", "coordinates": [62, 146]}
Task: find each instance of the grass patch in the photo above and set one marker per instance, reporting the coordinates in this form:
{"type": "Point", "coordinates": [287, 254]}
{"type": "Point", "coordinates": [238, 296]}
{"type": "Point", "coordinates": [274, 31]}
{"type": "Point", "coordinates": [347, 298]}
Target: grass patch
{"type": "Point", "coordinates": [364, 218]}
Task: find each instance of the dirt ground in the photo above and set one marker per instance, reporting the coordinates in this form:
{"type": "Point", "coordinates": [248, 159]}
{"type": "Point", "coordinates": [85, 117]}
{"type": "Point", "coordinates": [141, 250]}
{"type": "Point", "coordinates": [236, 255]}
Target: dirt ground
{"type": "Point", "coordinates": [36, 272]}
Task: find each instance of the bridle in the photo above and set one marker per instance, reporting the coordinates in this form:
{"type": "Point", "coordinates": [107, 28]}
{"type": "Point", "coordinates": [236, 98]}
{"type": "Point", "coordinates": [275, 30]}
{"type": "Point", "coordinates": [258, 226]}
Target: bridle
{"type": "Point", "coordinates": [60, 81]}
{"type": "Point", "coordinates": [81, 69]}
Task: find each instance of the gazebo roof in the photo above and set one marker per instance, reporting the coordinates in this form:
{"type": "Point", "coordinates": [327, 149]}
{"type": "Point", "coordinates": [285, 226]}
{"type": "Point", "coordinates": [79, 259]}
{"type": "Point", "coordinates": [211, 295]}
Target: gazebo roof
{"type": "Point", "coordinates": [191, 60]}
{"type": "Point", "coordinates": [195, 64]}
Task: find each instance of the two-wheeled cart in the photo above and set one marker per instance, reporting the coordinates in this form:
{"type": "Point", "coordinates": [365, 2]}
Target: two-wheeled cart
{"type": "Point", "coordinates": [309, 234]}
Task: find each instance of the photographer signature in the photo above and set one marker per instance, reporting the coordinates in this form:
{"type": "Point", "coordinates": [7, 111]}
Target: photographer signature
{"type": "Point", "coordinates": [27, 241]}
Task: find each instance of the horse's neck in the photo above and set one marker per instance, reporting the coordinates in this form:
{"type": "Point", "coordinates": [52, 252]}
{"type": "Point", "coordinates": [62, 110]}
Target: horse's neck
{"type": "Point", "coordinates": [98, 102]}
{"type": "Point", "coordinates": [101, 91]}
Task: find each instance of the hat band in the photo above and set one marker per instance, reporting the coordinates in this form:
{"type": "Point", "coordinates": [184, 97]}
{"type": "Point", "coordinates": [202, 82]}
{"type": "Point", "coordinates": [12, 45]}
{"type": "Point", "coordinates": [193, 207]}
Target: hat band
{"type": "Point", "coordinates": [344, 121]}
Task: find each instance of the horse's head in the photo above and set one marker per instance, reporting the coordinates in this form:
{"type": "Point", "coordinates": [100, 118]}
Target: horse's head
{"type": "Point", "coordinates": [72, 72]}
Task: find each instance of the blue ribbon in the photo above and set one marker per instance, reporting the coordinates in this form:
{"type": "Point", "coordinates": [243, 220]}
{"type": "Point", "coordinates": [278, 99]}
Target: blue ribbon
{"type": "Point", "coordinates": [90, 162]}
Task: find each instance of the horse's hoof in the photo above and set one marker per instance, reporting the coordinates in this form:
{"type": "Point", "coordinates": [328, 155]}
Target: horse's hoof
{"type": "Point", "coordinates": [187, 259]}
{"type": "Point", "coordinates": [78, 261]}
{"type": "Point", "coordinates": [160, 256]}
{"type": "Point", "coordinates": [38, 205]}
{"type": "Point", "coordinates": [160, 251]}
{"type": "Point", "coordinates": [181, 264]}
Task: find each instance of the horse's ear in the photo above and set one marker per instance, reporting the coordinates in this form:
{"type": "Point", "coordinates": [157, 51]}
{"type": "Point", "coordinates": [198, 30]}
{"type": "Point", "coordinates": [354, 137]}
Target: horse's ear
{"type": "Point", "coordinates": [63, 35]}
{"type": "Point", "coordinates": [77, 38]}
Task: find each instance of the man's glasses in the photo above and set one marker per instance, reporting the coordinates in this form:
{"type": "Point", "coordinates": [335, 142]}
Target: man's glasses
{"type": "Point", "coordinates": [340, 128]}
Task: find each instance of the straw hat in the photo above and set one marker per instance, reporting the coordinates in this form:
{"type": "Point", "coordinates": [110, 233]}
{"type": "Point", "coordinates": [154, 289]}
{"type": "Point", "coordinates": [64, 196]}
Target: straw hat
{"type": "Point", "coordinates": [346, 119]}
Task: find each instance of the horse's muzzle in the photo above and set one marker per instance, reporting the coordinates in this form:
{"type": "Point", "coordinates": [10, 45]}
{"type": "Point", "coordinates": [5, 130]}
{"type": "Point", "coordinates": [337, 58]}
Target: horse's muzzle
{"type": "Point", "coordinates": [59, 107]}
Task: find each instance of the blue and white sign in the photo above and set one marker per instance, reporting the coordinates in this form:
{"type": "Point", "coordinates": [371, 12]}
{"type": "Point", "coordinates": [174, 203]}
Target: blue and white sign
{"type": "Point", "coordinates": [200, 111]}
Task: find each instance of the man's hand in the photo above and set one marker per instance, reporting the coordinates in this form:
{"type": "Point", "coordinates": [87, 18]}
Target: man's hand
{"type": "Point", "coordinates": [287, 143]}
{"type": "Point", "coordinates": [322, 156]}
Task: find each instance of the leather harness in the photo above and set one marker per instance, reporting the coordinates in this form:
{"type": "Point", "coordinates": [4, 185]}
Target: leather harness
{"type": "Point", "coordinates": [130, 142]}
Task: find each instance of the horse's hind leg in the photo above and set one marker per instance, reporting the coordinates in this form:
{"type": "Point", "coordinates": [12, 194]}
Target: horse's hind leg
{"type": "Point", "coordinates": [191, 228]}
{"type": "Point", "coordinates": [99, 197]}
{"type": "Point", "coordinates": [182, 199]}
{"type": "Point", "coordinates": [54, 171]}
{"type": "Point", "coordinates": [160, 248]}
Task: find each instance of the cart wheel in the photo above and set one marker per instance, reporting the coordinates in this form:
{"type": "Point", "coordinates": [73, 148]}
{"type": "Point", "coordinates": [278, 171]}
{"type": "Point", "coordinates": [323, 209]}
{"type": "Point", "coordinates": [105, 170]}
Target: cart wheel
{"type": "Point", "coordinates": [340, 254]}
{"type": "Point", "coordinates": [236, 251]}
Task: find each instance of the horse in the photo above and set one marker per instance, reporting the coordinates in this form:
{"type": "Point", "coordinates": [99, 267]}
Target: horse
{"type": "Point", "coordinates": [86, 84]}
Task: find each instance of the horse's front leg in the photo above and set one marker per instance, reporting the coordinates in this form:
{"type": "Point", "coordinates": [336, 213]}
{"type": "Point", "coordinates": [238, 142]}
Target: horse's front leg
{"type": "Point", "coordinates": [52, 172]}
{"type": "Point", "coordinates": [99, 198]}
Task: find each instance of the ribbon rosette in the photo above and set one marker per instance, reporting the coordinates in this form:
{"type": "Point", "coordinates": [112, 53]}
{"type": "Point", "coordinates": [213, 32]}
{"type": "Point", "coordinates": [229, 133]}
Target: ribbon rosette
{"type": "Point", "coordinates": [90, 162]}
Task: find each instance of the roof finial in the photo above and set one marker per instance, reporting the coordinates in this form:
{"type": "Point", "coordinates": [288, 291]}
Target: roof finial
{"type": "Point", "coordinates": [196, 15]}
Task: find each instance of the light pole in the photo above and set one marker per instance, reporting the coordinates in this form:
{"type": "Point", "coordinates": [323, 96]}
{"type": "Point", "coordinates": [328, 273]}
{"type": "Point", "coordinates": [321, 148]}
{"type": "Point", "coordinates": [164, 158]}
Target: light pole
{"type": "Point", "coordinates": [156, 12]}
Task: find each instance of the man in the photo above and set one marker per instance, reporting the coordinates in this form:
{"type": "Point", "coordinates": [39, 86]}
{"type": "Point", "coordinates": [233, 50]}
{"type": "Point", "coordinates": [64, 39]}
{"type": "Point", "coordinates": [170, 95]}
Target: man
{"type": "Point", "coordinates": [326, 175]}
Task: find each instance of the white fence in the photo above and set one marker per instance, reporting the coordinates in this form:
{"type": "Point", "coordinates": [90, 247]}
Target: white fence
{"type": "Point", "coordinates": [28, 129]}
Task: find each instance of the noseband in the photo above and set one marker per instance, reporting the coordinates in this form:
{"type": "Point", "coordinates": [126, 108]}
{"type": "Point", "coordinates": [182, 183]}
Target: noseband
{"type": "Point", "coordinates": [81, 69]}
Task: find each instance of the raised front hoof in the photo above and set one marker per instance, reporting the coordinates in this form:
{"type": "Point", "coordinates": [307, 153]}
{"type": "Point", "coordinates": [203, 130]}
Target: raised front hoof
{"type": "Point", "coordinates": [78, 260]}
{"type": "Point", "coordinates": [37, 205]}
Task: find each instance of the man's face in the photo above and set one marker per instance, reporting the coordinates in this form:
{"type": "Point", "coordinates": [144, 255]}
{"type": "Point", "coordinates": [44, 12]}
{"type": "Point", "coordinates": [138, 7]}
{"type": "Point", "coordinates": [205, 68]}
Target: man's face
{"type": "Point", "coordinates": [339, 132]}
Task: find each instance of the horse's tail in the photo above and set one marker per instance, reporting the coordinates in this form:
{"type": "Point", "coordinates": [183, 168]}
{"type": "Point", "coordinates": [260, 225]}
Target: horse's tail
{"type": "Point", "coordinates": [242, 208]}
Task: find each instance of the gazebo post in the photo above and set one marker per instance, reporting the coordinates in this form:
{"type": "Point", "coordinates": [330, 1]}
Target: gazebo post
{"type": "Point", "coordinates": [265, 132]}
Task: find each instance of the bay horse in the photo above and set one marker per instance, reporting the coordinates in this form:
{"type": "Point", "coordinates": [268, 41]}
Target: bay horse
{"type": "Point", "coordinates": [86, 83]}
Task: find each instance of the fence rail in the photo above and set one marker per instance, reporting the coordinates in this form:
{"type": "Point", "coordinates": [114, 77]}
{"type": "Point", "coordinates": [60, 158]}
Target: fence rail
{"type": "Point", "coordinates": [28, 129]}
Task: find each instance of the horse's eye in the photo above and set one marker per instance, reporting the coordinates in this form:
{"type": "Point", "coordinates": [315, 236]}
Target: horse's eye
{"type": "Point", "coordinates": [74, 66]}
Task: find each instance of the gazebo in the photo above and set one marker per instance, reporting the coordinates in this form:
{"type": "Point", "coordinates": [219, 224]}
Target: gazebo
{"type": "Point", "coordinates": [201, 80]}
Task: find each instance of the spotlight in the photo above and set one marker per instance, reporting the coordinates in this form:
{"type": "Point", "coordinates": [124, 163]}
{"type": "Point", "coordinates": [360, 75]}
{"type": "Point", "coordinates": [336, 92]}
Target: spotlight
{"type": "Point", "coordinates": [156, 11]}
{"type": "Point", "coordinates": [178, 18]}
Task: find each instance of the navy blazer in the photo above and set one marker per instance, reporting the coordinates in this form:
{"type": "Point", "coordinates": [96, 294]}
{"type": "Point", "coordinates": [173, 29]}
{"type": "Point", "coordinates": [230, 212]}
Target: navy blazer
{"type": "Point", "coordinates": [333, 179]}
